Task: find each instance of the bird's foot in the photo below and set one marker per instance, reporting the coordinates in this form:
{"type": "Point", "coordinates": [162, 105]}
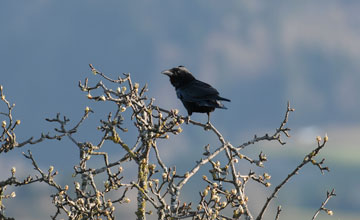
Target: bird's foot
{"type": "Point", "coordinates": [207, 126]}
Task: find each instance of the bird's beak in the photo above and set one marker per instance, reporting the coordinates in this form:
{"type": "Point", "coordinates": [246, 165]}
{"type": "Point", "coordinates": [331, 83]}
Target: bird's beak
{"type": "Point", "coordinates": [167, 72]}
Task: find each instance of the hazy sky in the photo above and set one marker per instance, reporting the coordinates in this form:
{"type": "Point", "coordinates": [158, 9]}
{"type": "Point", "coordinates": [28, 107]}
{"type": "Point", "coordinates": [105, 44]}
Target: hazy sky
{"type": "Point", "coordinates": [259, 54]}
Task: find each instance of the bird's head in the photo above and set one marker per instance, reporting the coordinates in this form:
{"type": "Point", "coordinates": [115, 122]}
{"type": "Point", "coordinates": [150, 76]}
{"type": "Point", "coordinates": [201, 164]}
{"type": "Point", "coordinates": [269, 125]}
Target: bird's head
{"type": "Point", "coordinates": [179, 76]}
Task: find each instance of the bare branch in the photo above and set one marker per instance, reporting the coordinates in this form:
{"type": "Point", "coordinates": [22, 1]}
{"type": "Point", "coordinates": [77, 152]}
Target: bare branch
{"type": "Point", "coordinates": [329, 195]}
{"type": "Point", "coordinates": [308, 158]}
{"type": "Point", "coordinates": [278, 212]}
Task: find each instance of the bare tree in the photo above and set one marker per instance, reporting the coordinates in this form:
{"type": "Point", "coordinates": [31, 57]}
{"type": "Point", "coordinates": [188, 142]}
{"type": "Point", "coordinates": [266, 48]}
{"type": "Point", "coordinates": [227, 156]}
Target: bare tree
{"type": "Point", "coordinates": [158, 186]}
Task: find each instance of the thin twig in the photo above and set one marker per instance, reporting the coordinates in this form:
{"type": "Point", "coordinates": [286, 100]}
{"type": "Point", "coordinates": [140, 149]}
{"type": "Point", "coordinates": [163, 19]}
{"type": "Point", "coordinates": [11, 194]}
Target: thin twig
{"type": "Point", "coordinates": [308, 158]}
{"type": "Point", "coordinates": [322, 207]}
{"type": "Point", "coordinates": [278, 212]}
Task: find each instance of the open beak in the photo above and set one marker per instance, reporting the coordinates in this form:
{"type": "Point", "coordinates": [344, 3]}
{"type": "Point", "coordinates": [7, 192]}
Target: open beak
{"type": "Point", "coordinates": [167, 72]}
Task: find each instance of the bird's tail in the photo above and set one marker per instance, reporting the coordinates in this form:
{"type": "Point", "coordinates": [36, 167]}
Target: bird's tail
{"type": "Point", "coordinates": [223, 99]}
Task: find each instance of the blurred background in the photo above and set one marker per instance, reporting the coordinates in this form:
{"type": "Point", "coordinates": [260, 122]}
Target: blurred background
{"type": "Point", "coordinates": [259, 54]}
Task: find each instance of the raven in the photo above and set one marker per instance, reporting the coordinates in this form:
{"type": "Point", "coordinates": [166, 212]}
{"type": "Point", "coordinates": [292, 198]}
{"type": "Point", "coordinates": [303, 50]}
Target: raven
{"type": "Point", "coordinates": [195, 95]}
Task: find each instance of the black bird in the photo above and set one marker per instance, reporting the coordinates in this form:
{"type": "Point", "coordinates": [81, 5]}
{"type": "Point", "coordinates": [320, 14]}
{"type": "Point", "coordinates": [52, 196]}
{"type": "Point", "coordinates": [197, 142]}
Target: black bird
{"type": "Point", "coordinates": [195, 95]}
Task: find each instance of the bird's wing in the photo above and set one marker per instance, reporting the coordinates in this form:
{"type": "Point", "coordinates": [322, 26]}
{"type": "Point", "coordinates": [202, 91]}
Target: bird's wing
{"type": "Point", "coordinates": [196, 91]}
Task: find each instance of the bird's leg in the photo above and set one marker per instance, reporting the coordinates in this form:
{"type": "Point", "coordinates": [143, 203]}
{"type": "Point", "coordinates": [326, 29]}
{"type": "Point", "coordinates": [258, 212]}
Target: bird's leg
{"type": "Point", "coordinates": [208, 113]}
{"type": "Point", "coordinates": [187, 119]}
{"type": "Point", "coordinates": [207, 127]}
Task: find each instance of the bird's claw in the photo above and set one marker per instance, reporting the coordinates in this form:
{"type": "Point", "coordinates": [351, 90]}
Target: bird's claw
{"type": "Point", "coordinates": [207, 126]}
